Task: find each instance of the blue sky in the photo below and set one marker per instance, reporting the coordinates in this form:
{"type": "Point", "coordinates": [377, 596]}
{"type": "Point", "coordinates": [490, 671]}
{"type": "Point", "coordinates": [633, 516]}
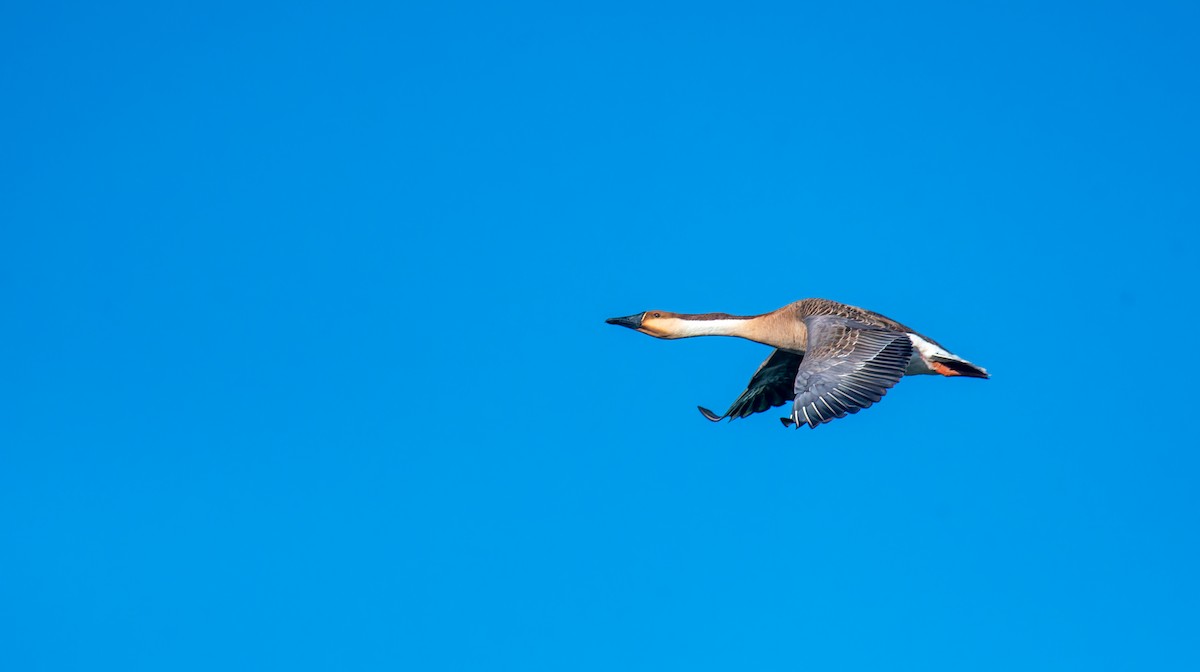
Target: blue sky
{"type": "Point", "coordinates": [306, 365]}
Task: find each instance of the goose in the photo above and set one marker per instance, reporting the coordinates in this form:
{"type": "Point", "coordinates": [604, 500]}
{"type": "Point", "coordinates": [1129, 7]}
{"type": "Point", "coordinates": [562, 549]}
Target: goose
{"type": "Point", "coordinates": [830, 359]}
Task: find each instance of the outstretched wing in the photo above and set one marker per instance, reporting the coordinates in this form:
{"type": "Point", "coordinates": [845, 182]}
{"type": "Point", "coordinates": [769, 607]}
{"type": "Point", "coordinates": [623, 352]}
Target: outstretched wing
{"type": "Point", "coordinates": [848, 366]}
{"type": "Point", "coordinates": [770, 386]}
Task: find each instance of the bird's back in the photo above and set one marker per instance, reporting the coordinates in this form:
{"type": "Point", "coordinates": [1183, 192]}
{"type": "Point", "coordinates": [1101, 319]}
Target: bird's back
{"type": "Point", "coordinates": [814, 307]}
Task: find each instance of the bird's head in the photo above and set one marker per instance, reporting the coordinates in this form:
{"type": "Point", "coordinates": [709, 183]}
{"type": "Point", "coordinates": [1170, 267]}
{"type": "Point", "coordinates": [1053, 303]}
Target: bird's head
{"type": "Point", "coordinates": [656, 323]}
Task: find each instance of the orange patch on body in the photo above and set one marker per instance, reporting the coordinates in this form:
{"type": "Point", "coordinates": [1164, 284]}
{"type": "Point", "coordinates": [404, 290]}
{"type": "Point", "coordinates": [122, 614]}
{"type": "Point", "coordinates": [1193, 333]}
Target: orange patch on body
{"type": "Point", "coordinates": [943, 369]}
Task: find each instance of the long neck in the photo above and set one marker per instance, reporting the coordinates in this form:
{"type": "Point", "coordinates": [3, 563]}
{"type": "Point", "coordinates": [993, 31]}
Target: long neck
{"type": "Point", "coordinates": [776, 328]}
{"type": "Point", "coordinates": [710, 324]}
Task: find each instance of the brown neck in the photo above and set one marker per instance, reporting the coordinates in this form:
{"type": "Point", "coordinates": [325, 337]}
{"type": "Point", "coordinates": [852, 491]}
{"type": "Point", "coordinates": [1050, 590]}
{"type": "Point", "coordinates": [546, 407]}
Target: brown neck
{"type": "Point", "coordinates": [777, 329]}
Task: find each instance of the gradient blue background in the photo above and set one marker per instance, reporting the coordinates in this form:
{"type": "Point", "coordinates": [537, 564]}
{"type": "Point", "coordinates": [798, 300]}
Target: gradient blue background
{"type": "Point", "coordinates": [305, 364]}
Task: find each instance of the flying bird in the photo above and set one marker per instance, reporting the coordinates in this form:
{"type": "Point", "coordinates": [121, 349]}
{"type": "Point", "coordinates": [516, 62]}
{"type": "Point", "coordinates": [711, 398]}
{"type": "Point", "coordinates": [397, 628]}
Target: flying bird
{"type": "Point", "coordinates": [830, 359]}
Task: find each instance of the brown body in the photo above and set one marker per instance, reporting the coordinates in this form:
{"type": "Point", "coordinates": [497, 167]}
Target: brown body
{"type": "Point", "coordinates": [784, 328]}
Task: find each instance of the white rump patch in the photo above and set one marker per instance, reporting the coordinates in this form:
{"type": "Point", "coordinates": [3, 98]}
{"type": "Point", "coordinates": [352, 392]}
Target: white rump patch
{"type": "Point", "coordinates": [923, 352]}
{"type": "Point", "coordinates": [928, 349]}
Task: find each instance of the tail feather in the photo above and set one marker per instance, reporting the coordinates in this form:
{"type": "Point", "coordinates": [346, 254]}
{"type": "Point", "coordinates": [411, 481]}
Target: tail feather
{"type": "Point", "coordinates": [957, 367]}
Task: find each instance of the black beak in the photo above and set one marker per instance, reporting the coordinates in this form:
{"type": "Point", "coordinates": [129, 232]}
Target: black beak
{"type": "Point", "coordinates": [633, 321]}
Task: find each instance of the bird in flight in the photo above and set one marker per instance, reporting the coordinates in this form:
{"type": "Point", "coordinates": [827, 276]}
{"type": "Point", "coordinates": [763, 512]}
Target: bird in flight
{"type": "Point", "coordinates": [830, 359]}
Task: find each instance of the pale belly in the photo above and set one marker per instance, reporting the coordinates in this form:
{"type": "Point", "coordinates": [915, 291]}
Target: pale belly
{"type": "Point", "coordinates": [917, 366]}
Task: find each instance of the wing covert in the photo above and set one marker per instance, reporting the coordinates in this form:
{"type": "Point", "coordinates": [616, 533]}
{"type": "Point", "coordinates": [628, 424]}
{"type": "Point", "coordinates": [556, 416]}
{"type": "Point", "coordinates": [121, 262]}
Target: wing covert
{"type": "Point", "coordinates": [848, 367]}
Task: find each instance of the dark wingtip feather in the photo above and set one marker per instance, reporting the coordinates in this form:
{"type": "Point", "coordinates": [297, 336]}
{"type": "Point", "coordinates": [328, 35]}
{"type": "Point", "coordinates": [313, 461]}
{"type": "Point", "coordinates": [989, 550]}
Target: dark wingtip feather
{"type": "Point", "coordinates": [709, 415]}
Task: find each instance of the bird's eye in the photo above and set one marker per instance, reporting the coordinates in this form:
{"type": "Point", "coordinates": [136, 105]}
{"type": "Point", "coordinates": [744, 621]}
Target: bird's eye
{"type": "Point", "coordinates": [658, 314]}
